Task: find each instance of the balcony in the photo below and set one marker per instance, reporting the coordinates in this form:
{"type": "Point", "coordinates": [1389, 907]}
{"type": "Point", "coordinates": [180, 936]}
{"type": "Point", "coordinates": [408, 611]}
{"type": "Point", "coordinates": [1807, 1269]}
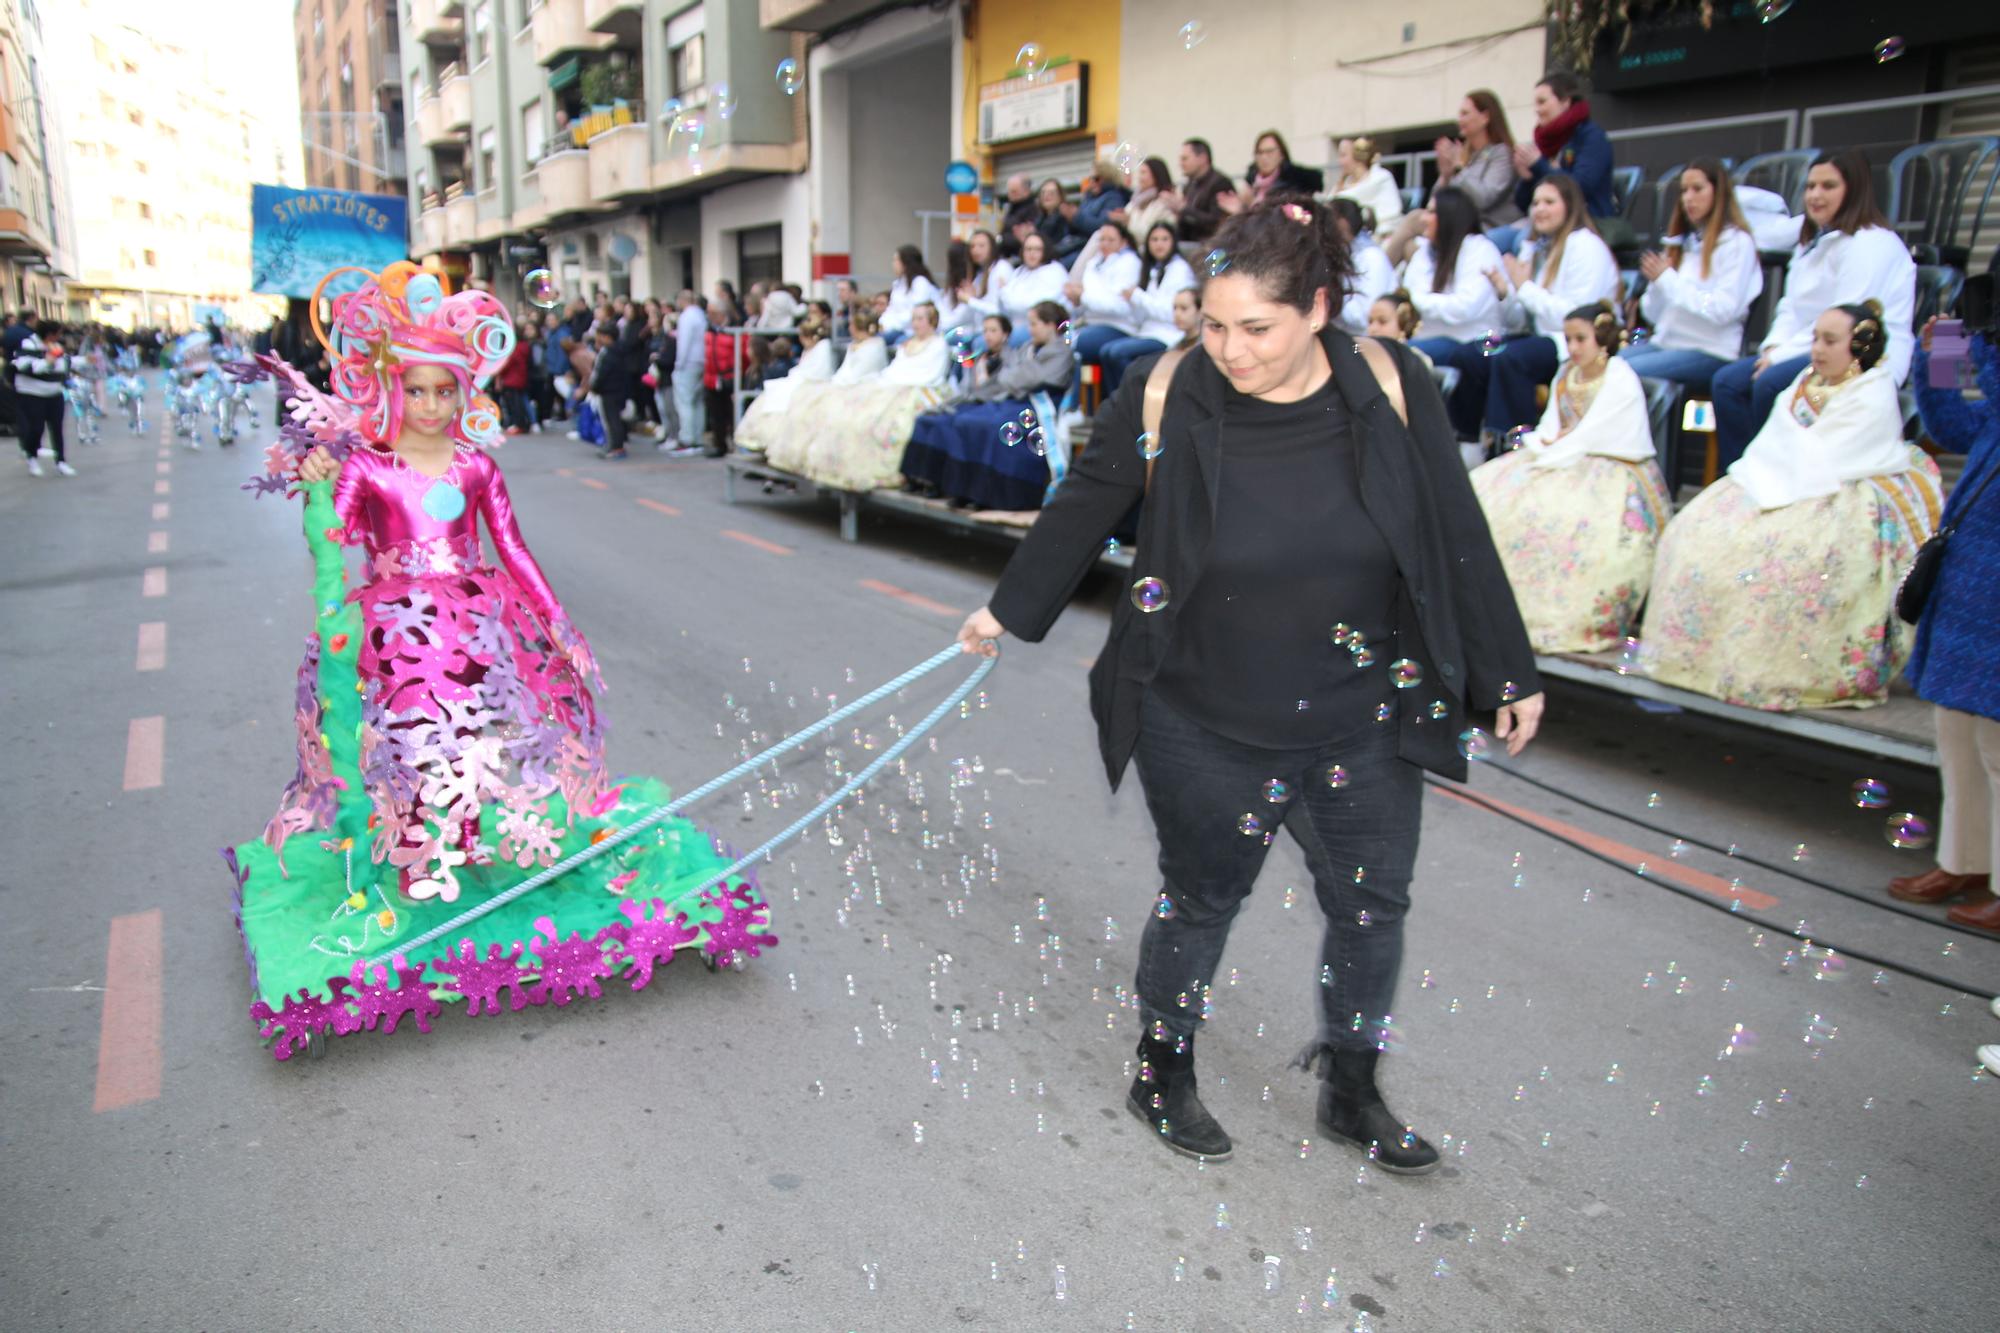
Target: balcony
{"type": "Point", "coordinates": [455, 92]}
{"type": "Point", "coordinates": [432, 132]}
{"type": "Point", "coordinates": [621, 161]}
{"type": "Point", "coordinates": [491, 219]}
{"type": "Point", "coordinates": [461, 218]}
{"type": "Point", "coordinates": [22, 235]}
{"type": "Point", "coordinates": [559, 30]}
{"type": "Point", "coordinates": [430, 228]}
{"type": "Point", "coordinates": [431, 22]}
{"type": "Point", "coordinates": [564, 178]}
{"type": "Point", "coordinates": [811, 15]}
{"type": "Point", "coordinates": [622, 20]}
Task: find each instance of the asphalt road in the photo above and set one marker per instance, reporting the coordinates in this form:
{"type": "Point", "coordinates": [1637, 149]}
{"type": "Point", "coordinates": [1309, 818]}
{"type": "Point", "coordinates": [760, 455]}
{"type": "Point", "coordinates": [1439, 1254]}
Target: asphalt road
{"type": "Point", "coordinates": [909, 1115]}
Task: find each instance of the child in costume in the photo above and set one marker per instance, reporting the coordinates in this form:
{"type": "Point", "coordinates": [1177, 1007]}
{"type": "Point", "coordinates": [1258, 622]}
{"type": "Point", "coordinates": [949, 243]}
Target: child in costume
{"type": "Point", "coordinates": [449, 745]}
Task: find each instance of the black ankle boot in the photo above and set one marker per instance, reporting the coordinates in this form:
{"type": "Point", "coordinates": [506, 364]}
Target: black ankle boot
{"type": "Point", "coordinates": [1351, 1109]}
{"type": "Point", "coordinates": [1163, 1095]}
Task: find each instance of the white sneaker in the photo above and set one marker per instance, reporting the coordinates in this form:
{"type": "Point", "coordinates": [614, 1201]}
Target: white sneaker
{"type": "Point", "coordinates": [64, 468]}
{"type": "Point", "coordinates": [1990, 1057]}
{"type": "Point", "coordinates": [34, 467]}
{"type": "Point", "coordinates": [1996, 1006]}
{"type": "Point", "coordinates": [575, 436]}
{"type": "Point", "coordinates": [682, 451]}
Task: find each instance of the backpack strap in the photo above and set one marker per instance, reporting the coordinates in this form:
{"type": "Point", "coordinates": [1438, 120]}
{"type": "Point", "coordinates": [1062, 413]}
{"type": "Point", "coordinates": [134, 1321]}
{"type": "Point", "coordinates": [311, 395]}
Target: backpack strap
{"type": "Point", "coordinates": [1154, 409]}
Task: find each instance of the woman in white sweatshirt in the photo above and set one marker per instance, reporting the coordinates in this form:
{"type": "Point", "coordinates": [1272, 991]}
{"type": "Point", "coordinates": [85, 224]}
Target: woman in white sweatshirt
{"type": "Point", "coordinates": [1847, 255]}
{"type": "Point", "coordinates": [1162, 276]}
{"type": "Point", "coordinates": [1099, 288]}
{"type": "Point", "coordinates": [1700, 290]}
{"type": "Point", "coordinates": [1367, 182]}
{"type": "Point", "coordinates": [1374, 273]}
{"type": "Point", "coordinates": [1449, 278]}
{"type": "Point", "coordinates": [1563, 264]}
{"type": "Point", "coordinates": [912, 287]}
{"type": "Point", "coordinates": [1036, 280]}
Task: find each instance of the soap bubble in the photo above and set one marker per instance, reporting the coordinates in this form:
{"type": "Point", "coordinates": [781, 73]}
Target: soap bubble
{"type": "Point", "coordinates": [1067, 332]}
{"type": "Point", "coordinates": [1491, 342]}
{"type": "Point", "coordinates": [1250, 826]}
{"type": "Point", "coordinates": [670, 114]}
{"type": "Point", "coordinates": [790, 77]}
{"type": "Point", "coordinates": [1336, 777]}
{"type": "Point", "coordinates": [542, 289]}
{"type": "Point", "coordinates": [1769, 11]}
{"type": "Point", "coordinates": [1406, 673]}
{"type": "Point", "coordinates": [1277, 792]}
{"type": "Point", "coordinates": [1149, 446]}
{"type": "Point", "coordinates": [1870, 794]}
{"type": "Point", "coordinates": [964, 345]}
{"type": "Point", "coordinates": [1515, 439]}
{"type": "Point", "coordinates": [1439, 710]}
{"type": "Point", "coordinates": [1192, 34]}
{"type": "Point", "coordinates": [1010, 433]}
{"type": "Point", "coordinates": [723, 99]}
{"type": "Point", "coordinates": [1475, 744]}
{"type": "Point", "coordinates": [1027, 418]}
{"type": "Point", "coordinates": [1362, 655]}
{"type": "Point", "coordinates": [1030, 61]}
{"type": "Point", "coordinates": [1342, 632]}
{"type": "Point", "coordinates": [1889, 48]}
{"type": "Point", "coordinates": [1907, 831]}
{"type": "Point", "coordinates": [1163, 908]}
{"type": "Point", "coordinates": [1149, 595]}
{"type": "Point", "coordinates": [1509, 692]}
{"type": "Point", "coordinates": [1125, 157]}
{"type": "Point", "coordinates": [1216, 262]}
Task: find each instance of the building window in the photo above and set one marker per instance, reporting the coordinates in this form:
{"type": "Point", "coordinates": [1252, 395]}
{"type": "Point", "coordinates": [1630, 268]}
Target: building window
{"type": "Point", "coordinates": [488, 159]}
{"type": "Point", "coordinates": [152, 260]}
{"type": "Point", "coordinates": [482, 31]}
{"type": "Point", "coordinates": [145, 211]}
{"type": "Point", "coordinates": [134, 115]}
{"type": "Point", "coordinates": [760, 254]}
{"type": "Point", "coordinates": [531, 132]}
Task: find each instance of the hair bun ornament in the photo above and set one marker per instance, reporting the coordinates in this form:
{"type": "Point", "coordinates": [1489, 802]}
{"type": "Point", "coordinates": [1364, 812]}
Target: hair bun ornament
{"type": "Point", "coordinates": [1298, 213]}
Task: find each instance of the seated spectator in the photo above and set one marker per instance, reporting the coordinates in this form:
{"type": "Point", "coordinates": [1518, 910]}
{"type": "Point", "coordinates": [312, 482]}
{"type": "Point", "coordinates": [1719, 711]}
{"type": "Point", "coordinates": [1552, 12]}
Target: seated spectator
{"type": "Point", "coordinates": [956, 301]}
{"type": "Point", "coordinates": [781, 309]}
{"type": "Point", "coordinates": [785, 436]}
{"type": "Point", "coordinates": [1273, 171]}
{"type": "Point", "coordinates": [1153, 300]}
{"type": "Point", "coordinates": [1367, 182]}
{"type": "Point", "coordinates": [1823, 512]}
{"type": "Point", "coordinates": [1374, 275]}
{"type": "Point", "coordinates": [1151, 203]}
{"type": "Point", "coordinates": [1104, 193]}
{"type": "Point", "coordinates": [1576, 511]}
{"type": "Point", "coordinates": [1957, 642]}
{"type": "Point", "coordinates": [1395, 318]}
{"type": "Point", "coordinates": [846, 296]}
{"type": "Point", "coordinates": [1204, 199]}
{"type": "Point", "coordinates": [1033, 281]}
{"type": "Point", "coordinates": [1480, 162]}
{"type": "Point", "coordinates": [1021, 211]}
{"type": "Point", "coordinates": [855, 436]}
{"type": "Point", "coordinates": [1565, 265]}
{"type": "Point", "coordinates": [913, 286]}
{"type": "Point", "coordinates": [987, 363]}
{"type": "Point", "coordinates": [1449, 276]}
{"type": "Point", "coordinates": [1051, 223]}
{"type": "Point", "coordinates": [1100, 290]}
{"type": "Point", "coordinates": [988, 270]}
{"type": "Point", "coordinates": [1847, 254]}
{"type": "Point", "coordinates": [1568, 143]}
{"type": "Point", "coordinates": [1698, 307]}
{"type": "Point", "coordinates": [969, 452]}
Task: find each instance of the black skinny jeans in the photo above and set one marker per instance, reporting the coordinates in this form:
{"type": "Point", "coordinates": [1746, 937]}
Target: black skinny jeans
{"type": "Point", "coordinates": [1360, 844]}
{"type": "Point", "coordinates": [35, 413]}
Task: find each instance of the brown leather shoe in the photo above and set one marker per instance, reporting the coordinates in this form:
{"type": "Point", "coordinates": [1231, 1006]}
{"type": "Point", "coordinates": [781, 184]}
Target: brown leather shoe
{"type": "Point", "coordinates": [1936, 885]}
{"type": "Point", "coordinates": [1980, 916]}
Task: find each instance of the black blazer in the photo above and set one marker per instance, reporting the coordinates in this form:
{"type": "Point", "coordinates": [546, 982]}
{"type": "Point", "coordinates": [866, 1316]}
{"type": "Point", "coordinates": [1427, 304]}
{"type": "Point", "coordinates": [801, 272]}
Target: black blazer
{"type": "Point", "coordinates": [1292, 179]}
{"type": "Point", "coordinates": [1455, 610]}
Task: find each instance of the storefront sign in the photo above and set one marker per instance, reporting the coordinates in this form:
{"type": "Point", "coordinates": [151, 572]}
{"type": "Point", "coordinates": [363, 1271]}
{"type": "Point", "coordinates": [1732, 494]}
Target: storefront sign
{"type": "Point", "coordinates": [1024, 109]}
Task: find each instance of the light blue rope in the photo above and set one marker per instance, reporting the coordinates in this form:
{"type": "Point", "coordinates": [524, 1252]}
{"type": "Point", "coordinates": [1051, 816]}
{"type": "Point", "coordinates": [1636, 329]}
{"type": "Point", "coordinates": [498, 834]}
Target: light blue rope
{"type": "Point", "coordinates": [713, 785]}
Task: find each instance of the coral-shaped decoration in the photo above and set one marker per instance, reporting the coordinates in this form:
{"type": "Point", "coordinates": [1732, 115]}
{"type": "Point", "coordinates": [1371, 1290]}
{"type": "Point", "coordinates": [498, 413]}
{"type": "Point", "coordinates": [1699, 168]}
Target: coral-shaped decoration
{"type": "Point", "coordinates": [377, 1001]}
{"type": "Point", "coordinates": [479, 980]}
{"type": "Point", "coordinates": [741, 912]}
{"type": "Point", "coordinates": [650, 940]}
{"type": "Point", "coordinates": [567, 965]}
{"type": "Point", "coordinates": [291, 1028]}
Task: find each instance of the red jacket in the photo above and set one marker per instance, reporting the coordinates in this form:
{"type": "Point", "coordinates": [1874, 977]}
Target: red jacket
{"type": "Point", "coordinates": [514, 371]}
{"type": "Point", "coordinates": [720, 368]}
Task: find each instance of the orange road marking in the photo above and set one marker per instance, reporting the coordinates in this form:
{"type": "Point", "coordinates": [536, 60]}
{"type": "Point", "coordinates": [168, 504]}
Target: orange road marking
{"type": "Point", "coordinates": [757, 542]}
{"type": "Point", "coordinates": [145, 752]}
{"type": "Point", "coordinates": [128, 1038]}
{"type": "Point", "coordinates": [153, 645]}
{"type": "Point", "coordinates": [156, 542]}
{"type": "Point", "coordinates": [160, 511]}
{"type": "Point", "coordinates": [154, 584]}
{"type": "Point", "coordinates": [163, 487]}
{"type": "Point", "coordinates": [1656, 868]}
{"type": "Point", "coordinates": [565, 472]}
{"type": "Point", "coordinates": [910, 598]}
{"type": "Point", "coordinates": [163, 468]}
{"type": "Point", "coordinates": [659, 508]}
{"type": "Point", "coordinates": [594, 483]}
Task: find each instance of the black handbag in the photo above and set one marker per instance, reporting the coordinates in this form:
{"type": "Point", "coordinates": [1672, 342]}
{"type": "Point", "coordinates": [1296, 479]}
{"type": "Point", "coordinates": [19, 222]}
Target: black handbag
{"type": "Point", "coordinates": [1917, 584]}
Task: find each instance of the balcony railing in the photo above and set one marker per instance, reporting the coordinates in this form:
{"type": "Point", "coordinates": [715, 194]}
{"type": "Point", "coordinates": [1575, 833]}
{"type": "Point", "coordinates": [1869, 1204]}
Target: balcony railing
{"type": "Point", "coordinates": [431, 23]}
{"type": "Point", "coordinates": [455, 93]}
{"type": "Point", "coordinates": [461, 219]}
{"type": "Point", "coordinates": [559, 30]}
{"type": "Point", "coordinates": [603, 119]}
{"type": "Point", "coordinates": [431, 129]}
{"type": "Point", "coordinates": [564, 178]}
{"type": "Point", "coordinates": [622, 20]}
{"type": "Point", "coordinates": [430, 237]}
{"type": "Point", "coordinates": [620, 162]}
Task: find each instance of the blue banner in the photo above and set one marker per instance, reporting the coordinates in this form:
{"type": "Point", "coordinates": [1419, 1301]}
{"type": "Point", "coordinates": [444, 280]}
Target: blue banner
{"type": "Point", "coordinates": [298, 236]}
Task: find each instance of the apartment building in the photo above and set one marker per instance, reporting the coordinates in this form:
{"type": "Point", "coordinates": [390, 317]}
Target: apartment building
{"type": "Point", "coordinates": [629, 146]}
{"type": "Point", "coordinates": [351, 114]}
{"type": "Point", "coordinates": [37, 242]}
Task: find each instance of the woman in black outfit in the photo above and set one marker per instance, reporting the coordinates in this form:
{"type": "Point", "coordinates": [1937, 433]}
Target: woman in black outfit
{"type": "Point", "coordinates": [1317, 617]}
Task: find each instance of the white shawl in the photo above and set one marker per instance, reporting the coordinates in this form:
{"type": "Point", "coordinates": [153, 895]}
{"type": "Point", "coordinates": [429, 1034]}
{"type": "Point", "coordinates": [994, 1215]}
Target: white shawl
{"type": "Point", "coordinates": [1860, 435]}
{"type": "Point", "coordinates": [1615, 426]}
{"type": "Point", "coordinates": [864, 362]}
{"type": "Point", "coordinates": [919, 364]}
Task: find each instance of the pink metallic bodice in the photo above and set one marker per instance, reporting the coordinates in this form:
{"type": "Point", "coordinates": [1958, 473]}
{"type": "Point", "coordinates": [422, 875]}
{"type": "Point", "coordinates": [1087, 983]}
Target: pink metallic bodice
{"type": "Point", "coordinates": [405, 520]}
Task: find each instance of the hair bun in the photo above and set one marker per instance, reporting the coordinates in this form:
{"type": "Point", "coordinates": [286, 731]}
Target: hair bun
{"type": "Point", "coordinates": [1873, 306]}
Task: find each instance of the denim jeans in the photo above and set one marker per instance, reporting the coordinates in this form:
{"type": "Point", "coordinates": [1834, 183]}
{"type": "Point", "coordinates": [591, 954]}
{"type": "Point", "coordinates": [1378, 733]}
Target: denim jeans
{"type": "Point", "coordinates": [690, 407]}
{"type": "Point", "coordinates": [1360, 845]}
{"type": "Point", "coordinates": [1693, 369]}
{"type": "Point", "coordinates": [1743, 400]}
{"type": "Point", "coordinates": [1118, 355]}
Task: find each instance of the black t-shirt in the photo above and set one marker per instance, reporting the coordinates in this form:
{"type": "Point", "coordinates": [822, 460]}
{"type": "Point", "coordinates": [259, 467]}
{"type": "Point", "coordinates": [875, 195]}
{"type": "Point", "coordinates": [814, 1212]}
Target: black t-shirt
{"type": "Point", "coordinates": [1294, 554]}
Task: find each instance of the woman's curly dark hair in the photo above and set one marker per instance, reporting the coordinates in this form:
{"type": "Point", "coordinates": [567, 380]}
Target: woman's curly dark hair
{"type": "Point", "coordinates": [1292, 247]}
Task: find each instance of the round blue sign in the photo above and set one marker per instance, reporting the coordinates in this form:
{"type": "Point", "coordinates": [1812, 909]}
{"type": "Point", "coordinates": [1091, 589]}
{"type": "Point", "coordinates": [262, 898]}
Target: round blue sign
{"type": "Point", "coordinates": [961, 178]}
